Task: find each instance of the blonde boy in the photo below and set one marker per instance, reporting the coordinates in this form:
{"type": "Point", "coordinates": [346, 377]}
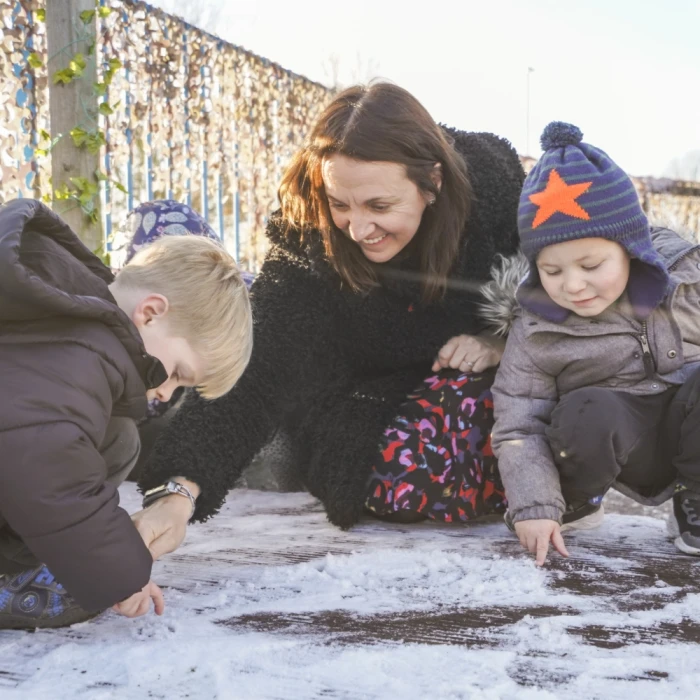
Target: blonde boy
{"type": "Point", "coordinates": [79, 353]}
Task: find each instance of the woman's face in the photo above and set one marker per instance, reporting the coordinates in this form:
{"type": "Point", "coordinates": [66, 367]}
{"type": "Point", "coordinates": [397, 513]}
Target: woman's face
{"type": "Point", "coordinates": [374, 204]}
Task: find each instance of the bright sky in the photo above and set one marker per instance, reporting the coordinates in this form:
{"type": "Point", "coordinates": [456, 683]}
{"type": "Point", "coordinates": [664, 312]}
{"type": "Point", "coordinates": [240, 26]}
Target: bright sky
{"type": "Point", "coordinates": [627, 72]}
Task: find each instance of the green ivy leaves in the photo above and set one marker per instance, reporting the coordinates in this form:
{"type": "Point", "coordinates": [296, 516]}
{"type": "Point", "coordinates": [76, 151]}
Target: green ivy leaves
{"type": "Point", "coordinates": [84, 191]}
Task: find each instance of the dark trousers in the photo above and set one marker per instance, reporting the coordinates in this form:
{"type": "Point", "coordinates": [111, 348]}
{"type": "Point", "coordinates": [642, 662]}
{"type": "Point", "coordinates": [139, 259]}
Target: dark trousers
{"type": "Point", "coordinates": [120, 450]}
{"type": "Point", "coordinates": [598, 436]}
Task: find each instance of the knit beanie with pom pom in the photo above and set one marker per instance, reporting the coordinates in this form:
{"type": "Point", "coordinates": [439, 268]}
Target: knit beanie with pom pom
{"type": "Point", "coordinates": [576, 191]}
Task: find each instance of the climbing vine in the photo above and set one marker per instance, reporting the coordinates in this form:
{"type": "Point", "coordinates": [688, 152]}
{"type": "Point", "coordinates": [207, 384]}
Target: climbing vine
{"type": "Point", "coordinates": [87, 134]}
{"type": "Point", "coordinates": [200, 120]}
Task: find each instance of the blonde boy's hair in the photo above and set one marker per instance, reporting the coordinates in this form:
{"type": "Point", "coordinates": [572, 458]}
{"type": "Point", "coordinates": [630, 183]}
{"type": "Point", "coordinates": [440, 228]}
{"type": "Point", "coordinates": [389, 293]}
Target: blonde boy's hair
{"type": "Point", "coordinates": [208, 303]}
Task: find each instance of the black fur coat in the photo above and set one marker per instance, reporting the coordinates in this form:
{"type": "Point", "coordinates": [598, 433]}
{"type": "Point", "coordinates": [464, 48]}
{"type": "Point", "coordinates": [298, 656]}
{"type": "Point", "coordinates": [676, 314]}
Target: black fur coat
{"type": "Point", "coordinates": [332, 367]}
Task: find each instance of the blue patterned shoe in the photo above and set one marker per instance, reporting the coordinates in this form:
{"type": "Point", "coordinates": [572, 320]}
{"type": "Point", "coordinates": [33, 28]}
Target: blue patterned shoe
{"type": "Point", "coordinates": [33, 599]}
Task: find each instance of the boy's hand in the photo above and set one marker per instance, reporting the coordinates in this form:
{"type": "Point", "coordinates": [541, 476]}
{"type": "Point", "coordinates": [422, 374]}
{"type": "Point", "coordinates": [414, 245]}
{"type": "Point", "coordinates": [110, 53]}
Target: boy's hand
{"type": "Point", "coordinates": [163, 524]}
{"type": "Point", "coordinates": [535, 536]}
{"type": "Point", "coordinates": [470, 353]}
{"type": "Point", "coordinates": [139, 603]}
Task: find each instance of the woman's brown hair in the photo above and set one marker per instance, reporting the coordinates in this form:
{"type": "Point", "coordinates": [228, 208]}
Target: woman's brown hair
{"type": "Point", "coordinates": [381, 122]}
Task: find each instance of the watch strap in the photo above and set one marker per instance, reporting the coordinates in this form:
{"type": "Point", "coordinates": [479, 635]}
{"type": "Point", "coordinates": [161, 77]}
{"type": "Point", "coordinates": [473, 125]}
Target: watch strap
{"type": "Point", "coordinates": [167, 489]}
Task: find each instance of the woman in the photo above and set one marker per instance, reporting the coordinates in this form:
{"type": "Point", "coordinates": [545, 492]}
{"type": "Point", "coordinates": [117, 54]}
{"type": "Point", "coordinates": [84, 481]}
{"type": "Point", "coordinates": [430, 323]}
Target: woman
{"type": "Point", "coordinates": [369, 351]}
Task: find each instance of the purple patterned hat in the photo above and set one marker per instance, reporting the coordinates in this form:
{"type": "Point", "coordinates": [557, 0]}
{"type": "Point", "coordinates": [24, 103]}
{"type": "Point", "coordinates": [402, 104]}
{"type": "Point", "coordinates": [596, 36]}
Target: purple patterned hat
{"type": "Point", "coordinates": [146, 224]}
{"type": "Point", "coordinates": [162, 217]}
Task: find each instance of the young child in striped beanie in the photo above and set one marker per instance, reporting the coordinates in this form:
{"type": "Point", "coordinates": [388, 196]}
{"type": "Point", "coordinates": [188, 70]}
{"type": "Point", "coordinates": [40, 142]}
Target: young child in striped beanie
{"type": "Point", "coordinates": [599, 384]}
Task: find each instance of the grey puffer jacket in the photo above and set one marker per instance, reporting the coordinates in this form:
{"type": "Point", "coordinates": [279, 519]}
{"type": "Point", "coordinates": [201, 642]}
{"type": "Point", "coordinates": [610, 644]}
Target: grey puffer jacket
{"type": "Point", "coordinates": [544, 361]}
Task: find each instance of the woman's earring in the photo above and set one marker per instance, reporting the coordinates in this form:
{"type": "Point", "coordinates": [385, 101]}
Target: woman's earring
{"type": "Point", "coordinates": [431, 201]}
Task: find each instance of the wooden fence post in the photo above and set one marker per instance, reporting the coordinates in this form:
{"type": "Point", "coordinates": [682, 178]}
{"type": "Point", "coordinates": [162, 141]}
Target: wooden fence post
{"type": "Point", "coordinates": [72, 105]}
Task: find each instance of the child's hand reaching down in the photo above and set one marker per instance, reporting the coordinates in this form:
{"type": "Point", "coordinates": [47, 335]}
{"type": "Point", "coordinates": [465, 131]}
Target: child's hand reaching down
{"type": "Point", "coordinates": [535, 536]}
{"type": "Point", "coordinates": [140, 603]}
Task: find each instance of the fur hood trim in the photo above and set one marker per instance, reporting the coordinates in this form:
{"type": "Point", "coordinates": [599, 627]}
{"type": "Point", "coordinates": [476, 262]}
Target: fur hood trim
{"type": "Point", "coordinates": [500, 303]}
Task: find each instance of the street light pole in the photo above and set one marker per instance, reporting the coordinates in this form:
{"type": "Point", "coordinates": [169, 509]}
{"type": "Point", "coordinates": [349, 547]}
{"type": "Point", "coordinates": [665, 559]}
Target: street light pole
{"type": "Point", "coordinates": [527, 115]}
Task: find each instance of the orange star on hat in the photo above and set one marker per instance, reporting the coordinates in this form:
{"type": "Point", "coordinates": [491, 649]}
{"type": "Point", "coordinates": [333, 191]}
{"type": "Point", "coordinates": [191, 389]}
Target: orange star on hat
{"type": "Point", "coordinates": [557, 196]}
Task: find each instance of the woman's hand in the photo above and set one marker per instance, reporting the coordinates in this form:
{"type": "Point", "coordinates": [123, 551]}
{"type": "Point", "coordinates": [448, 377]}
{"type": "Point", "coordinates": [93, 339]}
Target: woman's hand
{"type": "Point", "coordinates": [163, 524]}
{"type": "Point", "coordinates": [535, 536]}
{"type": "Point", "coordinates": [470, 353]}
{"type": "Point", "coordinates": [140, 603]}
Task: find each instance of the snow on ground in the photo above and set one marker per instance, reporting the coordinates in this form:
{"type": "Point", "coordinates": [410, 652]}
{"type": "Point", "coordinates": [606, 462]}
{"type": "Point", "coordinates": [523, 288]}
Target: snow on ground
{"type": "Point", "coordinates": [268, 600]}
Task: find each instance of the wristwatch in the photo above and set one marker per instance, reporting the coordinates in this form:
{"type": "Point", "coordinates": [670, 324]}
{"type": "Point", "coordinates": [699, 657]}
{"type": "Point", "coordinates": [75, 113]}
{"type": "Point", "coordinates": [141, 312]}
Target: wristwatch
{"type": "Point", "coordinates": [166, 489]}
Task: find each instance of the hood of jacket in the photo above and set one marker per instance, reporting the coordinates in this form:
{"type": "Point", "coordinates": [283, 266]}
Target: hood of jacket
{"type": "Point", "coordinates": [501, 293]}
{"type": "Point", "coordinates": [46, 272]}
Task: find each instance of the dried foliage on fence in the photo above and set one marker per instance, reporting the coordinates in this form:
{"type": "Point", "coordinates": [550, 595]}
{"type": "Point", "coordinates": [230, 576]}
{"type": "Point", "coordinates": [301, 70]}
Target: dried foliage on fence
{"type": "Point", "coordinates": [24, 94]}
{"type": "Point", "coordinates": [212, 124]}
{"type": "Point", "coordinates": [195, 118]}
{"type": "Point", "coordinates": [671, 203]}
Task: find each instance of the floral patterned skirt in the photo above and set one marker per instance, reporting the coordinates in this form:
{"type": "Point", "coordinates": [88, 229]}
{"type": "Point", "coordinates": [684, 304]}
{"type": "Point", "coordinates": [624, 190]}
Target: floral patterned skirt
{"type": "Point", "coordinates": [435, 457]}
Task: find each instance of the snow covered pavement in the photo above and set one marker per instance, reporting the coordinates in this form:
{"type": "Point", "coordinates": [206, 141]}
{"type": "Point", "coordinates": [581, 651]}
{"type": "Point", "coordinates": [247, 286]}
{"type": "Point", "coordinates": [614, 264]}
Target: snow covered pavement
{"type": "Point", "coordinates": [270, 601]}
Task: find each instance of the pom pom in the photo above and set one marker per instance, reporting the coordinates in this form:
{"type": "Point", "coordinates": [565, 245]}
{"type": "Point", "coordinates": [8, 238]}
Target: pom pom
{"type": "Point", "coordinates": [559, 135]}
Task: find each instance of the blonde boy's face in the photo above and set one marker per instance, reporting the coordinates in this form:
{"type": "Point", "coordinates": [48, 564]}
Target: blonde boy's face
{"type": "Point", "coordinates": [585, 276]}
{"type": "Point", "coordinates": [181, 362]}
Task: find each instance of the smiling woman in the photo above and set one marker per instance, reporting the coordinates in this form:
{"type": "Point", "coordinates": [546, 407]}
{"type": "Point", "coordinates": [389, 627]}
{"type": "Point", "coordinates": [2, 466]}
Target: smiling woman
{"type": "Point", "coordinates": [369, 351]}
{"type": "Point", "coordinates": [379, 178]}
{"type": "Point", "coordinates": [374, 204]}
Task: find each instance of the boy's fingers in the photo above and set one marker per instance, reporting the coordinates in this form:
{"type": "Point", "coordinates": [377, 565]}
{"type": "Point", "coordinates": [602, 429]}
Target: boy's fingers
{"type": "Point", "coordinates": [143, 608]}
{"type": "Point", "coordinates": [558, 542]}
{"type": "Point", "coordinates": [123, 608]}
{"type": "Point", "coordinates": [158, 599]}
{"type": "Point", "coordinates": [542, 549]}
